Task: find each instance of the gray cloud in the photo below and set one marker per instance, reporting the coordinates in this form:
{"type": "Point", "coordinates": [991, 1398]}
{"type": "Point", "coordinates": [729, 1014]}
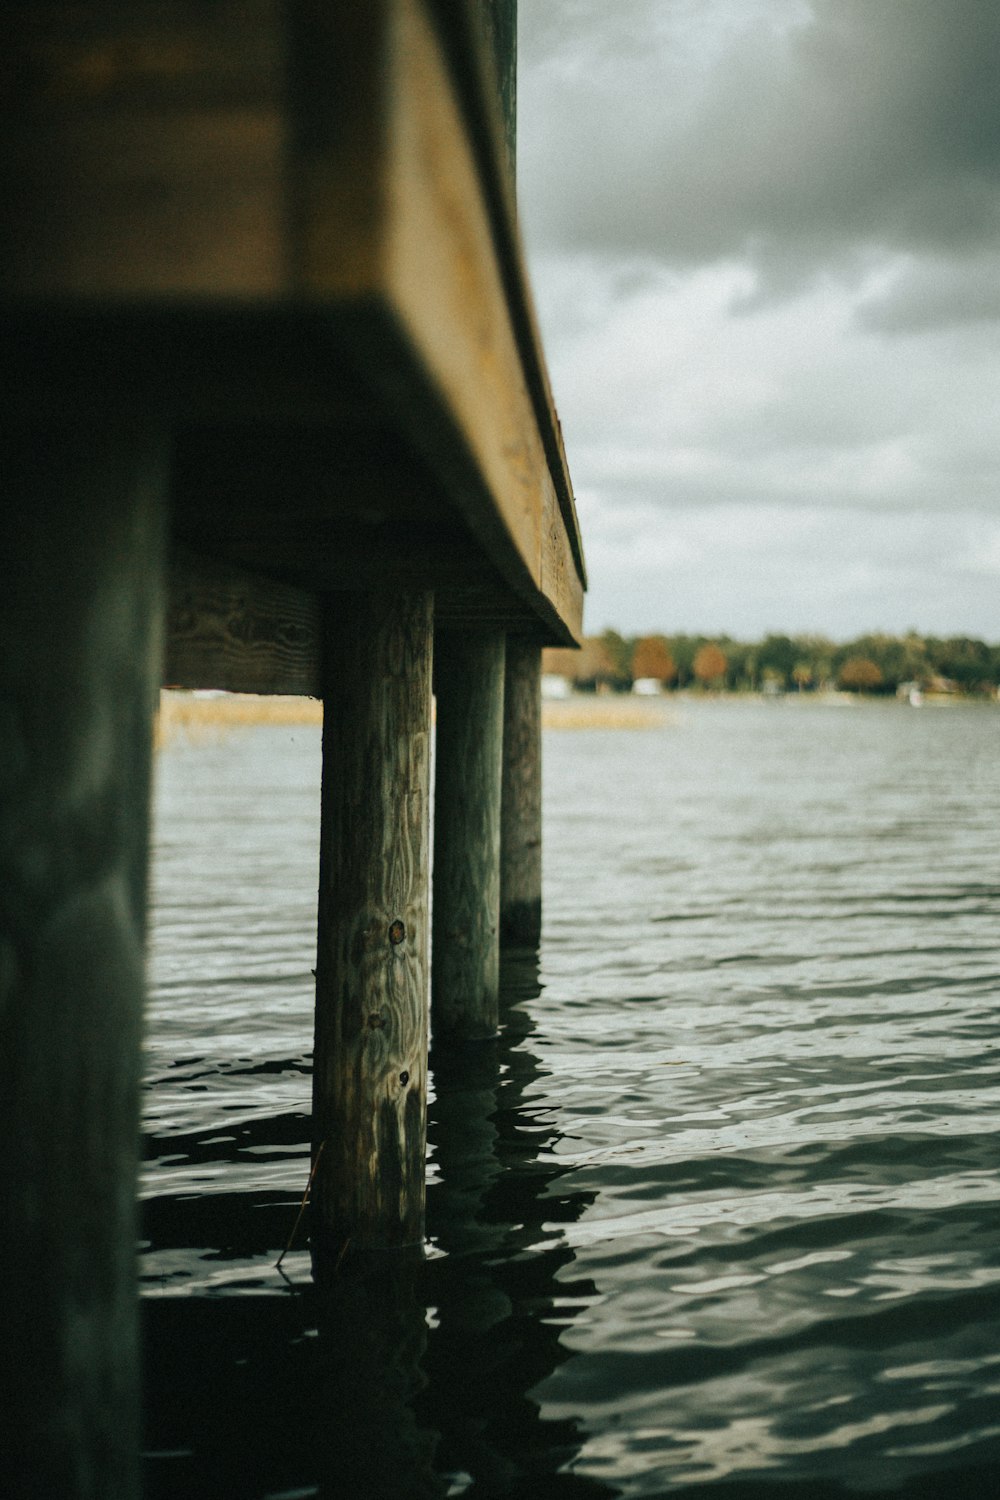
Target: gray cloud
{"type": "Point", "coordinates": [745, 570]}
{"type": "Point", "coordinates": [936, 294]}
{"type": "Point", "coordinates": [765, 239]}
{"type": "Point", "coordinates": [800, 135]}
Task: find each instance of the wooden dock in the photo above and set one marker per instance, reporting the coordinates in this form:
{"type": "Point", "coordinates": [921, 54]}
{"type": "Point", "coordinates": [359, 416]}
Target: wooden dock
{"type": "Point", "coordinates": [275, 420]}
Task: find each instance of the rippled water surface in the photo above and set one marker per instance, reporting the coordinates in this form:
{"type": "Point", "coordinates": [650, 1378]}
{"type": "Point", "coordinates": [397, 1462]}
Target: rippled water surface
{"type": "Point", "coordinates": [717, 1214]}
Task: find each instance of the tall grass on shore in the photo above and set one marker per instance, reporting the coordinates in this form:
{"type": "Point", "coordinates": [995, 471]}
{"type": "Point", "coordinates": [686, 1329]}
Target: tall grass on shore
{"type": "Point", "coordinates": [193, 716]}
{"type": "Point", "coordinates": [603, 711]}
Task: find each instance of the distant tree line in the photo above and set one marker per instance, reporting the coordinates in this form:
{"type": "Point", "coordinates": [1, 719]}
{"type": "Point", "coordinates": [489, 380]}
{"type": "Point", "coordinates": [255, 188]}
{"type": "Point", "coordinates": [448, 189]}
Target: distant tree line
{"type": "Point", "coordinates": [878, 664]}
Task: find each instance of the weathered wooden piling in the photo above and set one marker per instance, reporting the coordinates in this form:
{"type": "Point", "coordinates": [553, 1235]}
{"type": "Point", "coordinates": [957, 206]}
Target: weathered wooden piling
{"type": "Point", "coordinates": [370, 1063]}
{"type": "Point", "coordinates": [521, 805]}
{"type": "Point", "coordinates": [469, 684]}
{"type": "Point", "coordinates": [81, 530]}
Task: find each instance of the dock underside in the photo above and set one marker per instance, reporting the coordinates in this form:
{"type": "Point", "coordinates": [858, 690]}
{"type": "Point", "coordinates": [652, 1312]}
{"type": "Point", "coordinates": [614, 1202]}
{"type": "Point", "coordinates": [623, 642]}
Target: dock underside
{"type": "Point", "coordinates": [276, 420]}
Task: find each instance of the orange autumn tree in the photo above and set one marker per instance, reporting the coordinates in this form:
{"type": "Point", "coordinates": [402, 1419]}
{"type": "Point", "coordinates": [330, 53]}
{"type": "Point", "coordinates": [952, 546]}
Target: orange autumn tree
{"type": "Point", "coordinates": [651, 658]}
{"type": "Point", "coordinates": [594, 663]}
{"type": "Point", "coordinates": [860, 674]}
{"type": "Point", "coordinates": [710, 664]}
{"type": "Point", "coordinates": [560, 661]}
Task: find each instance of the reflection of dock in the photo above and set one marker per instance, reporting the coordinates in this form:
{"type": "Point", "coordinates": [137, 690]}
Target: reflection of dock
{"type": "Point", "coordinates": [276, 403]}
{"type": "Point", "coordinates": [395, 1375]}
{"type": "Point", "coordinates": [502, 1294]}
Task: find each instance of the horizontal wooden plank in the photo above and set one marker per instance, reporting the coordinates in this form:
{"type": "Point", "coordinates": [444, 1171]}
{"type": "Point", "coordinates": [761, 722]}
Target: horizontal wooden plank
{"type": "Point", "coordinates": [491, 133]}
{"type": "Point", "coordinates": [455, 352]}
{"type": "Point", "coordinates": [239, 631]}
{"type": "Point", "coordinates": [443, 277]}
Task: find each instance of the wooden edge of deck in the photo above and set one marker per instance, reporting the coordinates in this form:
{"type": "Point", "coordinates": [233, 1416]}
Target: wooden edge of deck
{"type": "Point", "coordinates": [471, 64]}
{"type": "Point", "coordinates": [460, 218]}
{"type": "Point", "coordinates": [525, 540]}
{"type": "Point", "coordinates": [443, 261]}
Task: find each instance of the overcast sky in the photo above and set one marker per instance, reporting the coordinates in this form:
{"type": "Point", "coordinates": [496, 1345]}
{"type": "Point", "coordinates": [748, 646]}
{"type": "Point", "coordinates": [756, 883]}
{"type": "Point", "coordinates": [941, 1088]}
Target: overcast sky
{"type": "Point", "coordinates": [764, 240]}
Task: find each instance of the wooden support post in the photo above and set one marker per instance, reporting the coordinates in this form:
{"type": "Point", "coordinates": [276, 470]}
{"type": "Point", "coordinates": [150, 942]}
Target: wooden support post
{"type": "Point", "coordinates": [469, 679]}
{"type": "Point", "coordinates": [521, 807]}
{"type": "Point", "coordinates": [370, 1065]}
{"type": "Point", "coordinates": [81, 537]}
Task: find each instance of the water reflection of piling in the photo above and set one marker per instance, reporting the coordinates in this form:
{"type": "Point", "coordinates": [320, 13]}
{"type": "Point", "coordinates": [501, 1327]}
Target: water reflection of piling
{"type": "Point", "coordinates": [494, 1294]}
{"type": "Point", "coordinates": [393, 1373]}
{"type": "Point", "coordinates": [373, 1333]}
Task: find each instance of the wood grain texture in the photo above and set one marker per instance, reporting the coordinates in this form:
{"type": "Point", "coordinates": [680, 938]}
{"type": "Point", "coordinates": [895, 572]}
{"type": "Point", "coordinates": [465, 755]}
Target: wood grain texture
{"type": "Point", "coordinates": [227, 628]}
{"type": "Point", "coordinates": [521, 805]}
{"type": "Point", "coordinates": [561, 584]}
{"type": "Point", "coordinates": [370, 1065]}
{"type": "Point", "coordinates": [469, 682]}
{"type": "Point", "coordinates": [81, 536]}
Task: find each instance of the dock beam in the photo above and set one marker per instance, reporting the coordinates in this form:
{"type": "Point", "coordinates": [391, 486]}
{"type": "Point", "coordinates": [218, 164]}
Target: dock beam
{"type": "Point", "coordinates": [81, 530]}
{"type": "Point", "coordinates": [469, 686]}
{"type": "Point", "coordinates": [370, 1066]}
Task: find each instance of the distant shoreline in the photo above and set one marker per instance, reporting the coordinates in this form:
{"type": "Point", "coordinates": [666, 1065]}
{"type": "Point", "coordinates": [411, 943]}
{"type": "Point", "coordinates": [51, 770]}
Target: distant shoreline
{"type": "Point", "coordinates": [628, 710]}
{"type": "Point", "coordinates": [202, 715]}
{"type": "Point", "coordinates": [199, 715]}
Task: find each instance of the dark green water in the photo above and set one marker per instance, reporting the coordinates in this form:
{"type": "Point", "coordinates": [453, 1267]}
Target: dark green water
{"type": "Point", "coordinates": [719, 1212]}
